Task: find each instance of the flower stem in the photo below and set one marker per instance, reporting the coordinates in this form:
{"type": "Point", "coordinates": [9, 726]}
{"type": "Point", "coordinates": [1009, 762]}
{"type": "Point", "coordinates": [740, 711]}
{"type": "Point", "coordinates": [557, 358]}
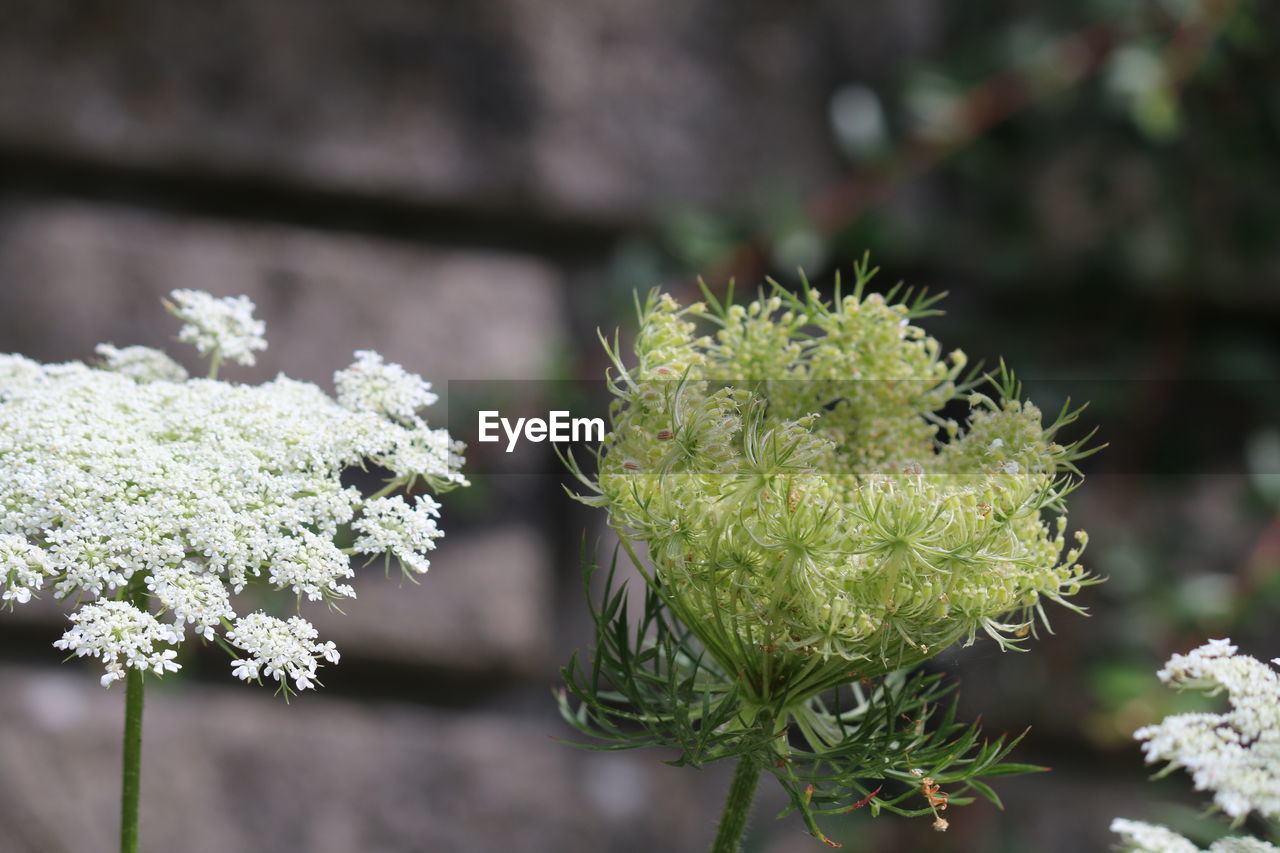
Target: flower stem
{"type": "Point", "coordinates": [387, 489]}
{"type": "Point", "coordinates": [737, 806]}
{"type": "Point", "coordinates": [131, 771]}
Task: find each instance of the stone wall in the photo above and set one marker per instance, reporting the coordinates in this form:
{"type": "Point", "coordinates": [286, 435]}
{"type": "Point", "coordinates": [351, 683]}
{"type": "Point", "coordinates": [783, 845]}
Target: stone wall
{"type": "Point", "coordinates": [599, 109]}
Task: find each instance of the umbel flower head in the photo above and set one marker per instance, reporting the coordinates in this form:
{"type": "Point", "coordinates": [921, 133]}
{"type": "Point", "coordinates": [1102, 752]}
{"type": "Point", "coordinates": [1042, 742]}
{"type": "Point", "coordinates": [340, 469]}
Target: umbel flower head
{"type": "Point", "coordinates": [149, 499]}
{"type": "Point", "coordinates": [809, 513]}
{"type": "Point", "coordinates": [1142, 837]}
{"type": "Point", "coordinates": [1235, 755]}
{"type": "Point", "coordinates": [811, 526]}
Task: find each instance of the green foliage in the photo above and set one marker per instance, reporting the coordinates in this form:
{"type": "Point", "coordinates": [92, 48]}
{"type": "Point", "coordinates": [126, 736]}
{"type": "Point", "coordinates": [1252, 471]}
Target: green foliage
{"type": "Point", "coordinates": [880, 744]}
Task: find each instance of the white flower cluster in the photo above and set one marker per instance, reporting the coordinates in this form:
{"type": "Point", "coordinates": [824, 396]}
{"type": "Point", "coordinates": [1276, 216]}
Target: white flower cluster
{"type": "Point", "coordinates": [22, 569]}
{"type": "Point", "coordinates": [120, 635]}
{"type": "Point", "coordinates": [391, 526]}
{"type": "Point", "coordinates": [278, 648]}
{"type": "Point", "coordinates": [372, 385]}
{"type": "Point", "coordinates": [1149, 838]}
{"type": "Point", "coordinates": [119, 483]}
{"type": "Point", "coordinates": [193, 596]}
{"type": "Point", "coordinates": [224, 327]}
{"type": "Point", "coordinates": [141, 364]}
{"type": "Point", "coordinates": [1236, 754]}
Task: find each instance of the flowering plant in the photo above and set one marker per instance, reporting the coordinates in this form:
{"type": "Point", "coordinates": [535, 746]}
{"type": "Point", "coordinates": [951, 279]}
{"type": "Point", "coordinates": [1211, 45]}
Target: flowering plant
{"type": "Point", "coordinates": [149, 499]}
{"type": "Point", "coordinates": [1236, 755]}
{"type": "Point", "coordinates": [814, 529]}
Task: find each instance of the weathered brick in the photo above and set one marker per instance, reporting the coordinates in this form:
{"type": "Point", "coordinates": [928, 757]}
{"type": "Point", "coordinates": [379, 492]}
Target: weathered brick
{"type": "Point", "coordinates": [72, 275]}
{"type": "Point", "coordinates": [605, 108]}
{"type": "Point", "coordinates": [484, 605]}
{"type": "Point", "coordinates": [236, 769]}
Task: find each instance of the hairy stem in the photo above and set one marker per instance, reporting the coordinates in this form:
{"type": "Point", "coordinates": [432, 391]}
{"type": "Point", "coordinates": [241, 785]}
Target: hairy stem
{"type": "Point", "coordinates": [737, 806]}
{"type": "Point", "coordinates": [131, 768]}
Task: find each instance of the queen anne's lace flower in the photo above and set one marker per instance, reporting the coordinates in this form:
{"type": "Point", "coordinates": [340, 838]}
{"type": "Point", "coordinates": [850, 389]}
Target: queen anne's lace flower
{"type": "Point", "coordinates": [129, 482]}
{"type": "Point", "coordinates": [22, 569]}
{"type": "Point", "coordinates": [372, 385]}
{"type": "Point", "coordinates": [279, 649]}
{"type": "Point", "coordinates": [1235, 844]}
{"type": "Point", "coordinates": [120, 635]}
{"type": "Point", "coordinates": [193, 596]}
{"type": "Point", "coordinates": [222, 327]}
{"type": "Point", "coordinates": [1236, 755]}
{"type": "Point", "coordinates": [141, 364]}
{"type": "Point", "coordinates": [806, 508]}
{"type": "Point", "coordinates": [1142, 837]}
{"type": "Point", "coordinates": [391, 526]}
{"type": "Point", "coordinates": [1149, 838]}
{"type": "Point", "coordinates": [1240, 844]}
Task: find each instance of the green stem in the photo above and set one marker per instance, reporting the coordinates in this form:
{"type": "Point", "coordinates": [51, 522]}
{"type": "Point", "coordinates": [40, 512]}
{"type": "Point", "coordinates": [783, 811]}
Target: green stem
{"type": "Point", "coordinates": [387, 489]}
{"type": "Point", "coordinates": [737, 806]}
{"type": "Point", "coordinates": [131, 772]}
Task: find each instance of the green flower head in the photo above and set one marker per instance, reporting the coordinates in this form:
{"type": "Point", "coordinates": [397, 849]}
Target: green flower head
{"type": "Point", "coordinates": [809, 512]}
